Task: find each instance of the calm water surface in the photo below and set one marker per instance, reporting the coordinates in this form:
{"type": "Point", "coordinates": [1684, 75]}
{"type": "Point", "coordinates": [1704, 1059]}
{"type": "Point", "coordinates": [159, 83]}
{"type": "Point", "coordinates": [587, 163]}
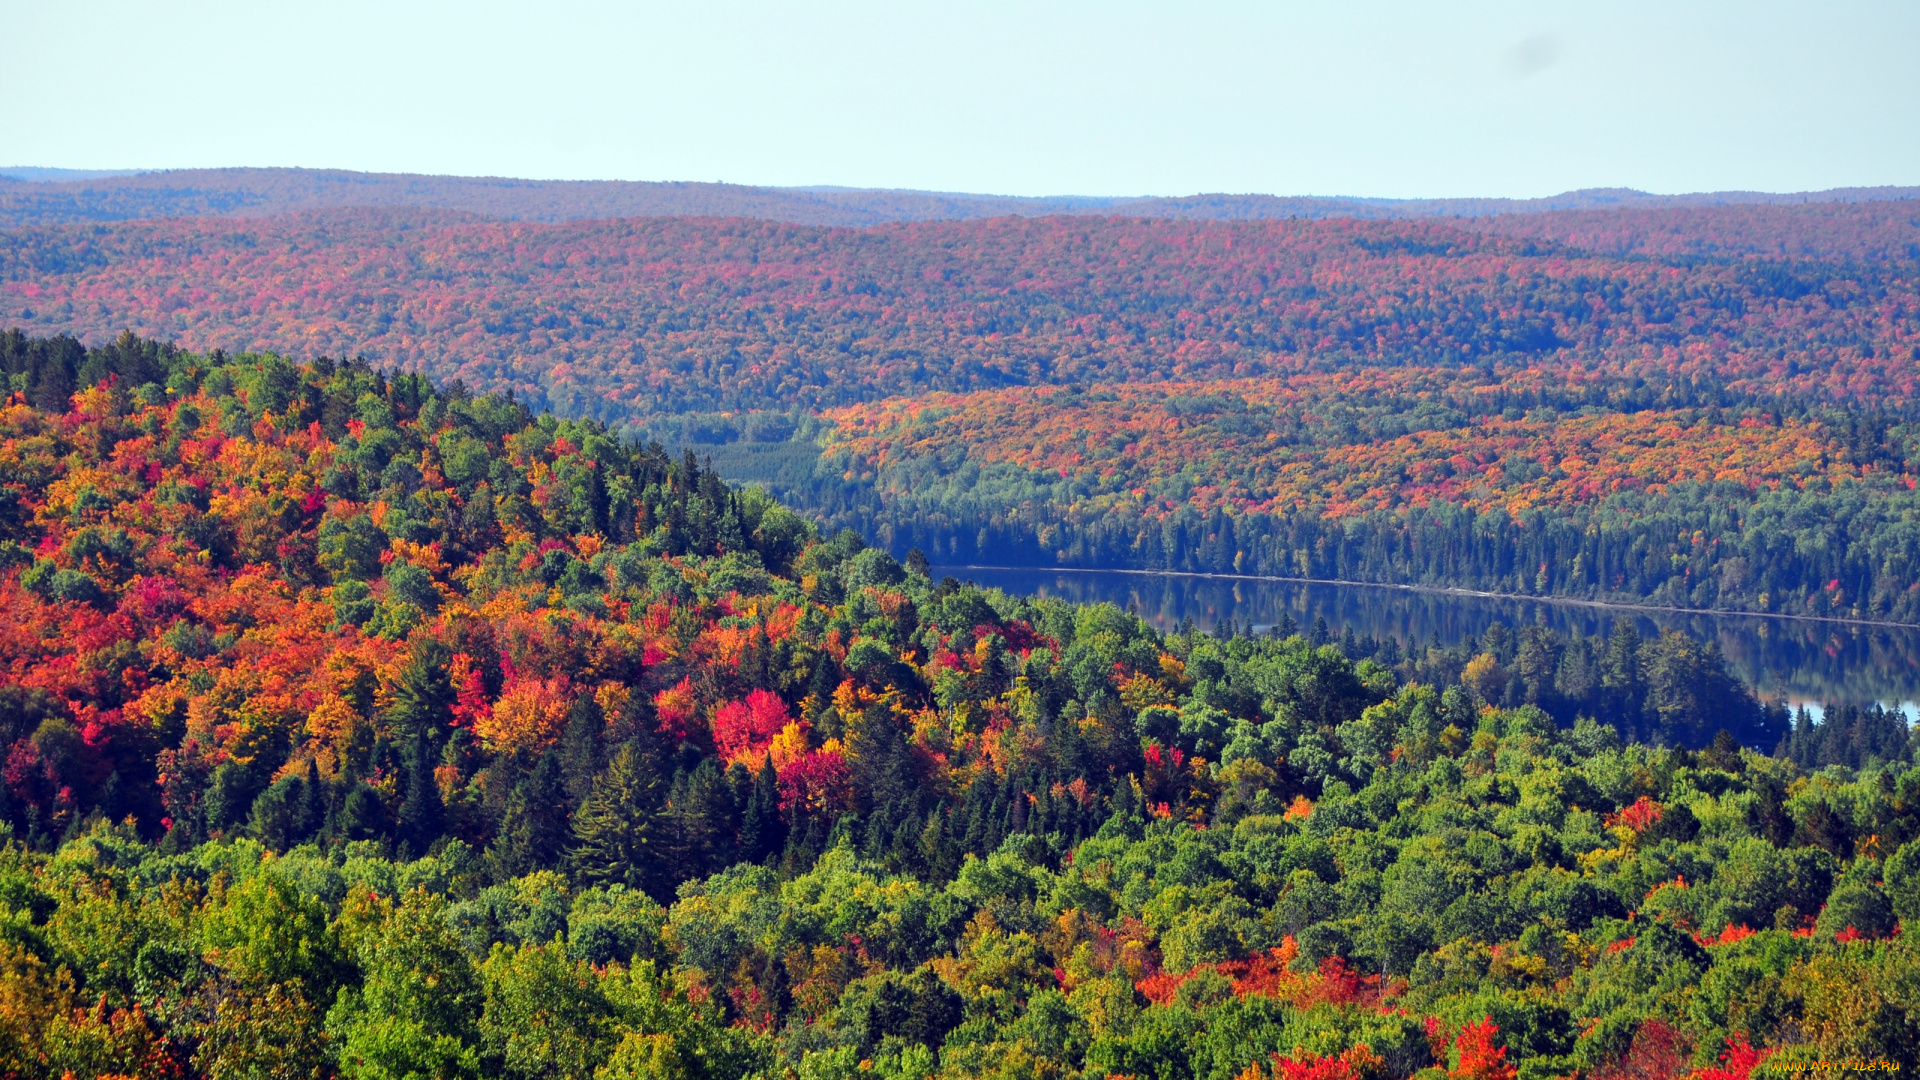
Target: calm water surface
{"type": "Point", "coordinates": [1801, 661]}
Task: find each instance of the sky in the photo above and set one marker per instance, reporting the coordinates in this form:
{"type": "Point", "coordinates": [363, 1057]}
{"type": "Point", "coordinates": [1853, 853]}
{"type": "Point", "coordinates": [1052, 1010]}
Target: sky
{"type": "Point", "coordinates": [1031, 98]}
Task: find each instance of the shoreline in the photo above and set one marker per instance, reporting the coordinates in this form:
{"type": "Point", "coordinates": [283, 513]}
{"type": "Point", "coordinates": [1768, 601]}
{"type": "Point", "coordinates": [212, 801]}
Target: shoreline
{"type": "Point", "coordinates": [1448, 590]}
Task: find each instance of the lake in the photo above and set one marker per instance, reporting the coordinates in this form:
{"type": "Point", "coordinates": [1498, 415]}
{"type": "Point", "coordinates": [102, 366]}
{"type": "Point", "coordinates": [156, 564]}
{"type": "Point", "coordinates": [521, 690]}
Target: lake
{"type": "Point", "coordinates": [1800, 660]}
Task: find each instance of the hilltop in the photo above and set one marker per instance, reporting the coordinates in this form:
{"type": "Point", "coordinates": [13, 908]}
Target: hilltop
{"type": "Point", "coordinates": [625, 319]}
{"type": "Point", "coordinates": [55, 196]}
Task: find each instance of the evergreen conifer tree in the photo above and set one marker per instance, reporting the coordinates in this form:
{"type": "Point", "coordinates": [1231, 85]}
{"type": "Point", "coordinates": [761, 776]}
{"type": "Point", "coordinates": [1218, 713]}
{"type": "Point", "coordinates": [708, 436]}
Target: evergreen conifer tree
{"type": "Point", "coordinates": [582, 754]}
{"type": "Point", "coordinates": [312, 814]}
{"type": "Point", "coordinates": [533, 834]}
{"type": "Point", "coordinates": [762, 832]}
{"type": "Point", "coordinates": [882, 770]}
{"type": "Point", "coordinates": [618, 836]}
{"type": "Point", "coordinates": [821, 682]}
{"type": "Point", "coordinates": [421, 817]}
{"type": "Point", "coordinates": [423, 696]}
{"type": "Point", "coordinates": [705, 819]}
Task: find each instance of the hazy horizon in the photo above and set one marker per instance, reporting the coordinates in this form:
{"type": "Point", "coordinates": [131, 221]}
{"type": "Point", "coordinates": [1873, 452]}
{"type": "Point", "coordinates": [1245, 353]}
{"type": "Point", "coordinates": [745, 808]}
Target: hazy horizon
{"type": "Point", "coordinates": [61, 174]}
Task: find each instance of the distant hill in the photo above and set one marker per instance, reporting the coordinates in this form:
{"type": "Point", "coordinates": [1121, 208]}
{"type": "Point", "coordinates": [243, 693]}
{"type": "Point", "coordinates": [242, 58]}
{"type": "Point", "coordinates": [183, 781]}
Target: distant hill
{"type": "Point", "coordinates": [53, 196]}
{"type": "Point", "coordinates": [1867, 231]}
{"type": "Point", "coordinates": [34, 174]}
{"type": "Point", "coordinates": [624, 319]}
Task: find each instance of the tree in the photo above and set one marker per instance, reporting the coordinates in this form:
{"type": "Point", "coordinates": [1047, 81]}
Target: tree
{"type": "Point", "coordinates": [705, 820]}
{"type": "Point", "coordinates": [421, 814]}
{"type": "Point", "coordinates": [618, 836]}
{"type": "Point", "coordinates": [545, 1015]}
{"type": "Point", "coordinates": [582, 754]}
{"type": "Point", "coordinates": [424, 694]}
{"type": "Point", "coordinates": [533, 834]}
{"type": "Point", "coordinates": [762, 831]}
{"type": "Point", "coordinates": [416, 1011]}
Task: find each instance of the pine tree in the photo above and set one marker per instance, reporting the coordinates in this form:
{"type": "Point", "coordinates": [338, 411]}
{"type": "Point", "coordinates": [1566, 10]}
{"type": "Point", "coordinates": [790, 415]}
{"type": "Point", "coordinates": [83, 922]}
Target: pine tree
{"type": "Point", "coordinates": [805, 842]}
{"type": "Point", "coordinates": [821, 682]}
{"type": "Point", "coordinates": [975, 838]}
{"type": "Point", "coordinates": [533, 834]}
{"type": "Point", "coordinates": [421, 817]}
{"type": "Point", "coordinates": [705, 819]}
{"type": "Point", "coordinates": [878, 831]}
{"type": "Point", "coordinates": [1128, 819]}
{"type": "Point", "coordinates": [423, 696]}
{"type": "Point", "coordinates": [582, 754]}
{"type": "Point", "coordinates": [882, 770]}
{"type": "Point", "coordinates": [937, 852]}
{"type": "Point", "coordinates": [618, 838]}
{"type": "Point", "coordinates": [903, 851]}
{"type": "Point", "coordinates": [762, 832]}
{"type": "Point", "coordinates": [1622, 676]}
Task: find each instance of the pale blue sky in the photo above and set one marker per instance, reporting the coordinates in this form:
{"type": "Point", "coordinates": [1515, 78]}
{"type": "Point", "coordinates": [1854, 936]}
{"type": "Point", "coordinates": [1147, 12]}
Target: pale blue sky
{"type": "Point", "coordinates": [1354, 98]}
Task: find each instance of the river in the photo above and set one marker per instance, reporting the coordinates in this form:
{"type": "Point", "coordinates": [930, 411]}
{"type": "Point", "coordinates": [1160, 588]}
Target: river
{"type": "Point", "coordinates": [1800, 660]}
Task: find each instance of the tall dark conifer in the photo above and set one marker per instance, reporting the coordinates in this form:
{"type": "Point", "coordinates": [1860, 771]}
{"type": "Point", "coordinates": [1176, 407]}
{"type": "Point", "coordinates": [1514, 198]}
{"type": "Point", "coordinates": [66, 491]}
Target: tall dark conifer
{"type": "Point", "coordinates": [706, 820]}
{"type": "Point", "coordinates": [423, 696]}
{"type": "Point", "coordinates": [533, 835]}
{"type": "Point", "coordinates": [582, 754]}
{"type": "Point", "coordinates": [762, 832]}
{"type": "Point", "coordinates": [421, 814]}
{"type": "Point", "coordinates": [882, 770]}
{"type": "Point", "coordinates": [618, 835]}
{"type": "Point", "coordinates": [312, 815]}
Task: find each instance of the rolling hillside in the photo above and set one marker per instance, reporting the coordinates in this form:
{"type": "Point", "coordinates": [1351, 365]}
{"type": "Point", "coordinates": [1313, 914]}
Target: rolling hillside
{"type": "Point", "coordinates": [625, 319]}
{"type": "Point", "coordinates": [46, 196]}
{"type": "Point", "coordinates": [359, 727]}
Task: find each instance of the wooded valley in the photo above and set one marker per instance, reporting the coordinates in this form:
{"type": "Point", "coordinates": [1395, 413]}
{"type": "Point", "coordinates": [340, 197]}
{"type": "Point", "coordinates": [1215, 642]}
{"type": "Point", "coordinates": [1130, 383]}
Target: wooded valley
{"type": "Point", "coordinates": [361, 726]}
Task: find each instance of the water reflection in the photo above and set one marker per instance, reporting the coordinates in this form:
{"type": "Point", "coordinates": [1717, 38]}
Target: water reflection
{"type": "Point", "coordinates": [1798, 660]}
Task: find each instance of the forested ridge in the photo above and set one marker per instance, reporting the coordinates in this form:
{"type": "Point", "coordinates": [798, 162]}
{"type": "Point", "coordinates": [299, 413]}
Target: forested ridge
{"type": "Point", "coordinates": [357, 726]}
{"type": "Point", "coordinates": [52, 196]}
{"type": "Point", "coordinates": [1707, 407]}
{"type": "Point", "coordinates": [1860, 231]}
{"type": "Point", "coordinates": [1520, 481]}
{"type": "Point", "coordinates": [626, 320]}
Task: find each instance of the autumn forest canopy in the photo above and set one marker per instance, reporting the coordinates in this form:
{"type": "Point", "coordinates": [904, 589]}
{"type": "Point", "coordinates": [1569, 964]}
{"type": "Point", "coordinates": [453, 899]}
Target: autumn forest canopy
{"type": "Point", "coordinates": [1697, 406]}
{"type": "Point", "coordinates": [361, 726]}
{"type": "Point", "coordinates": [441, 646]}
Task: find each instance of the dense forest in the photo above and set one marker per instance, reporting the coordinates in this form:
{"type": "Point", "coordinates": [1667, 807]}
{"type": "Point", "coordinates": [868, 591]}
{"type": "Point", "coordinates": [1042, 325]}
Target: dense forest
{"type": "Point", "coordinates": [1706, 407]}
{"type": "Point", "coordinates": [360, 726]}
{"type": "Point", "coordinates": [1519, 481]}
{"type": "Point", "coordinates": [626, 320]}
{"type": "Point", "coordinates": [1884, 231]}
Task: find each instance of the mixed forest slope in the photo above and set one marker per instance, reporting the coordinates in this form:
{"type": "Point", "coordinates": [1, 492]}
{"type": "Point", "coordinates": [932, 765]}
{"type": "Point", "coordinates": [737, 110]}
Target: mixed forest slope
{"type": "Point", "coordinates": [360, 727]}
{"type": "Point", "coordinates": [1705, 407]}
{"type": "Point", "coordinates": [53, 196]}
{"type": "Point", "coordinates": [1525, 482]}
{"type": "Point", "coordinates": [623, 319]}
{"type": "Point", "coordinates": [1874, 232]}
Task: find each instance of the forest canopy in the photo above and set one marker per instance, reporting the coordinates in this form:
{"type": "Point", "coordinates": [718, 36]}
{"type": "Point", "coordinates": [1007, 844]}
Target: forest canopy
{"type": "Point", "coordinates": [625, 319]}
{"type": "Point", "coordinates": [366, 727]}
{"type": "Point", "coordinates": [1698, 407]}
{"type": "Point", "coordinates": [1522, 482]}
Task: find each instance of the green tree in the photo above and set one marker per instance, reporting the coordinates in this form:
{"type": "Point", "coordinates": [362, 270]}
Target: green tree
{"type": "Point", "coordinates": [545, 1016]}
{"type": "Point", "coordinates": [350, 547]}
{"type": "Point", "coordinates": [533, 835]}
{"type": "Point", "coordinates": [415, 1015]}
{"type": "Point", "coordinates": [762, 832]}
{"type": "Point", "coordinates": [267, 931]}
{"type": "Point", "coordinates": [617, 834]}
